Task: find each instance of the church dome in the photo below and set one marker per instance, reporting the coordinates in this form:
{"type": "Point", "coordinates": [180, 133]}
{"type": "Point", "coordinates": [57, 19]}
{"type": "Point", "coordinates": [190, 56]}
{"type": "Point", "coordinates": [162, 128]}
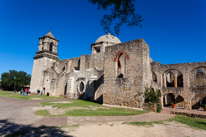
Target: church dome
{"type": "Point", "coordinates": [108, 38]}
{"type": "Point", "coordinates": [50, 35]}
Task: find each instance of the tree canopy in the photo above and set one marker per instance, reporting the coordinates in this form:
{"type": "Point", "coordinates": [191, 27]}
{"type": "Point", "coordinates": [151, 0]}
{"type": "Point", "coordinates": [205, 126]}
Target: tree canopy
{"type": "Point", "coordinates": [15, 79]}
{"type": "Point", "coordinates": [122, 12]}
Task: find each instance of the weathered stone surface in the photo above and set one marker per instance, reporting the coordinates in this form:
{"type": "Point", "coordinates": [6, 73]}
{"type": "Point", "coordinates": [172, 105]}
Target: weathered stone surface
{"type": "Point", "coordinates": [150, 107]}
{"type": "Point", "coordinates": [116, 73]}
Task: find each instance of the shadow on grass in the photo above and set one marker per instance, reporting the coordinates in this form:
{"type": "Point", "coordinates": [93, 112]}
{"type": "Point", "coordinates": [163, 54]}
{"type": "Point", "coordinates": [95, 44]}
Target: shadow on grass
{"type": "Point", "coordinates": [97, 102]}
{"type": "Point", "coordinates": [17, 130]}
{"type": "Point", "coordinates": [201, 123]}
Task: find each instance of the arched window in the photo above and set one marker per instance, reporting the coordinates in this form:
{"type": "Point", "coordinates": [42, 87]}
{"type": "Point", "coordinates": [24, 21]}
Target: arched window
{"type": "Point", "coordinates": [180, 80]}
{"type": "Point", "coordinates": [200, 79]}
{"type": "Point", "coordinates": [121, 65]}
{"type": "Point", "coordinates": [121, 62]}
{"type": "Point", "coordinates": [172, 78]}
{"type": "Point", "coordinates": [51, 47]}
{"type": "Point", "coordinates": [81, 87]}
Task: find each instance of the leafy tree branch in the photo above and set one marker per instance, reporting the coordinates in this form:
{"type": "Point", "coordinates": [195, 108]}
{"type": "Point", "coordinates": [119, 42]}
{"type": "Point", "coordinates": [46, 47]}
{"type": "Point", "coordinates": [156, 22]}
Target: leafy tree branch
{"type": "Point", "coordinates": [122, 12]}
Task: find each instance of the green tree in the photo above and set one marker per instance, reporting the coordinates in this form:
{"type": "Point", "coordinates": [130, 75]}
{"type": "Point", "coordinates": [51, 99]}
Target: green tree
{"type": "Point", "coordinates": [15, 79]}
{"type": "Point", "coordinates": [122, 12]}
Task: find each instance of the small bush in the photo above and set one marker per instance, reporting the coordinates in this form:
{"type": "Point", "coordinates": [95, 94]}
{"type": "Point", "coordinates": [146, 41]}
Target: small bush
{"type": "Point", "coordinates": [153, 96]}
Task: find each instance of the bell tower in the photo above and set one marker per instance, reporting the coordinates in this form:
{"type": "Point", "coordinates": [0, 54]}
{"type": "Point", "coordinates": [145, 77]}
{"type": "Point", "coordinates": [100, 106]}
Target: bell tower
{"type": "Point", "coordinates": [44, 58]}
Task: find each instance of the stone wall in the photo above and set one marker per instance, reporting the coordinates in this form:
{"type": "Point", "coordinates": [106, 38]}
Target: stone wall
{"type": "Point", "coordinates": [86, 77]}
{"type": "Point", "coordinates": [99, 85]}
{"type": "Point", "coordinates": [128, 89]}
{"type": "Point", "coordinates": [190, 79]}
{"type": "Point", "coordinates": [67, 65]}
{"type": "Point", "coordinates": [150, 107]}
{"type": "Point", "coordinates": [39, 66]}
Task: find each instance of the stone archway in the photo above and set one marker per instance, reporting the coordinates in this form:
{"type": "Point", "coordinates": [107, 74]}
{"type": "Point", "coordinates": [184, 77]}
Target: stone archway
{"type": "Point", "coordinates": [179, 101]}
{"type": "Point", "coordinates": [195, 102]}
{"type": "Point", "coordinates": [172, 78]}
{"type": "Point", "coordinates": [168, 99]}
{"type": "Point", "coordinates": [198, 77]}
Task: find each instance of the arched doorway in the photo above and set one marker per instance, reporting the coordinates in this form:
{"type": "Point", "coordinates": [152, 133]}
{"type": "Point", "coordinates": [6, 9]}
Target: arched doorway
{"type": "Point", "coordinates": [168, 99]}
{"type": "Point", "coordinates": [179, 101]}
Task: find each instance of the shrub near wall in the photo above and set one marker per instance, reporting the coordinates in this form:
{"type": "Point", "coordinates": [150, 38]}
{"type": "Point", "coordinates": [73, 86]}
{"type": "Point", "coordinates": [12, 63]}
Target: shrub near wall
{"type": "Point", "coordinates": [152, 99]}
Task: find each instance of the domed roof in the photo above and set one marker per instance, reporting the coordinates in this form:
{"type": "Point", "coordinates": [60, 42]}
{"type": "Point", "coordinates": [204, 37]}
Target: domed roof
{"type": "Point", "coordinates": [50, 35]}
{"type": "Point", "coordinates": [108, 38]}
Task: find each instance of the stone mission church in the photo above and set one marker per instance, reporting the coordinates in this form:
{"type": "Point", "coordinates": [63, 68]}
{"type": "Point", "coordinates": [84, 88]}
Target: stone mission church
{"type": "Point", "coordinates": [116, 73]}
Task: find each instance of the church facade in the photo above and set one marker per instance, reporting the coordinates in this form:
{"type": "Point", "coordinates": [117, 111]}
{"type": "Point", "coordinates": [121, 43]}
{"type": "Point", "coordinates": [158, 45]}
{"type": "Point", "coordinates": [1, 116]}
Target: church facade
{"type": "Point", "coordinates": [116, 74]}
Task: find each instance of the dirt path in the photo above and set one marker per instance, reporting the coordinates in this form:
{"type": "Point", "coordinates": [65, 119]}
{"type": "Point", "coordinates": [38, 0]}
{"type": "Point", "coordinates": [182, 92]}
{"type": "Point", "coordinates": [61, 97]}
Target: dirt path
{"type": "Point", "coordinates": [20, 112]}
{"type": "Point", "coordinates": [16, 114]}
{"type": "Point", "coordinates": [123, 130]}
{"type": "Point", "coordinates": [108, 119]}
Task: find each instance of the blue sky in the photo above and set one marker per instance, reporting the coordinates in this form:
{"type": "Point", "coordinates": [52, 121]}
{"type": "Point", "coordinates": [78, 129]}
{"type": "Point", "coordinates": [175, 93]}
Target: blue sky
{"type": "Point", "coordinates": [174, 29]}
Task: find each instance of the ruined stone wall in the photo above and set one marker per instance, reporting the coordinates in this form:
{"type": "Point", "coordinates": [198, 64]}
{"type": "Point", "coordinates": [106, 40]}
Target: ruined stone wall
{"type": "Point", "coordinates": [189, 74]}
{"type": "Point", "coordinates": [126, 91]}
{"type": "Point", "coordinates": [97, 61]}
{"type": "Point", "coordinates": [86, 77]}
{"type": "Point", "coordinates": [69, 70]}
{"type": "Point", "coordinates": [68, 64]}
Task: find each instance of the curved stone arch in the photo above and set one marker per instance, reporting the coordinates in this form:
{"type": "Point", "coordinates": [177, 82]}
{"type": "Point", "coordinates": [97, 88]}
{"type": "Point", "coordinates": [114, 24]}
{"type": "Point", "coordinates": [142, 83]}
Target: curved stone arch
{"type": "Point", "coordinates": [196, 67]}
{"type": "Point", "coordinates": [175, 95]}
{"type": "Point", "coordinates": [179, 101]}
{"type": "Point", "coordinates": [119, 53]}
{"type": "Point", "coordinates": [168, 98]}
{"type": "Point", "coordinates": [175, 79]}
{"type": "Point", "coordinates": [121, 64]}
{"type": "Point", "coordinates": [168, 69]}
{"type": "Point", "coordinates": [193, 73]}
{"type": "Point", "coordinates": [79, 88]}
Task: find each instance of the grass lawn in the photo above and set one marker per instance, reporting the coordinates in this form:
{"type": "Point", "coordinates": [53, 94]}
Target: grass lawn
{"type": "Point", "coordinates": [192, 122]}
{"type": "Point", "coordinates": [18, 96]}
{"type": "Point", "coordinates": [86, 108]}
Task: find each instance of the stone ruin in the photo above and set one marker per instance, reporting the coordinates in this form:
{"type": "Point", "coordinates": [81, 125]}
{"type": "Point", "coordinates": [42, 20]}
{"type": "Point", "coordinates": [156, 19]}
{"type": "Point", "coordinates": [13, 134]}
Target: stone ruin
{"type": "Point", "coordinates": [116, 73]}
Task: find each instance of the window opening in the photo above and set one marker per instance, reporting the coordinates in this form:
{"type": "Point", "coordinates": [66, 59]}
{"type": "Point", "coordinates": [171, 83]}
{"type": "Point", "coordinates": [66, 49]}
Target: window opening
{"type": "Point", "coordinates": [97, 49]}
{"type": "Point", "coordinates": [50, 47]}
{"type": "Point", "coordinates": [81, 87]}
